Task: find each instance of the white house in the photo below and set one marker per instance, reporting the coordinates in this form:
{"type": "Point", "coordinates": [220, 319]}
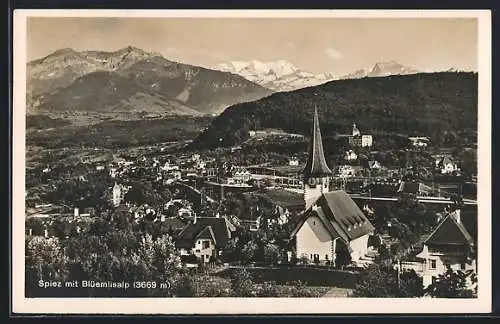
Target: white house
{"type": "Point", "coordinates": [241, 175]}
{"type": "Point", "coordinates": [419, 141]}
{"type": "Point", "coordinates": [350, 156]}
{"type": "Point", "coordinates": [204, 237]}
{"type": "Point", "coordinates": [449, 244]}
{"type": "Point", "coordinates": [332, 226]}
{"type": "Point", "coordinates": [345, 171]}
{"type": "Point", "coordinates": [446, 165]}
{"type": "Point", "coordinates": [374, 165]}
{"type": "Point", "coordinates": [356, 139]}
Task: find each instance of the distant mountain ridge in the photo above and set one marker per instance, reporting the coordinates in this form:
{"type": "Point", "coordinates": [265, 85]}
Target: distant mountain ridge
{"type": "Point", "coordinates": [278, 76]}
{"type": "Point", "coordinates": [282, 75]}
{"type": "Point", "coordinates": [381, 69]}
{"type": "Point", "coordinates": [131, 79]}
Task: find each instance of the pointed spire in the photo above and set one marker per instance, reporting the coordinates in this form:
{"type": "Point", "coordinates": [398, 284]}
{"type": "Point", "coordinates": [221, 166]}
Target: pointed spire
{"type": "Point", "coordinates": [316, 163]}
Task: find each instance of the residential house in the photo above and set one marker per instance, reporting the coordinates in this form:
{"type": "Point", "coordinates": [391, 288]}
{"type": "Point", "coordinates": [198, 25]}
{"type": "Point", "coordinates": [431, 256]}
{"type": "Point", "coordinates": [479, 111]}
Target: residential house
{"type": "Point", "coordinates": [333, 229]}
{"type": "Point", "coordinates": [345, 171]}
{"type": "Point", "coordinates": [450, 244]}
{"type": "Point", "coordinates": [141, 211]}
{"type": "Point", "coordinates": [204, 237]}
{"type": "Point", "coordinates": [446, 165]}
{"type": "Point", "coordinates": [358, 140]}
{"type": "Point", "coordinates": [374, 165]}
{"type": "Point", "coordinates": [241, 175]}
{"type": "Point", "coordinates": [420, 141]}
{"type": "Point", "coordinates": [350, 156]}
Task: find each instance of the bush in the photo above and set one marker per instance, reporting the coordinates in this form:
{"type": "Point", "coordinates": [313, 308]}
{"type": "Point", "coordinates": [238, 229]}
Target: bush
{"type": "Point", "coordinates": [271, 254]}
{"type": "Point", "coordinates": [301, 290]}
{"type": "Point", "coordinates": [241, 283]}
{"type": "Point", "coordinates": [268, 289]}
{"type": "Point", "coordinates": [186, 287]}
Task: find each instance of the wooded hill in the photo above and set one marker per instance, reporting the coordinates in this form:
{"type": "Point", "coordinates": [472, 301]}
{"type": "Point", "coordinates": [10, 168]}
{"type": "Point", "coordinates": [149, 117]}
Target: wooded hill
{"type": "Point", "coordinates": [442, 106]}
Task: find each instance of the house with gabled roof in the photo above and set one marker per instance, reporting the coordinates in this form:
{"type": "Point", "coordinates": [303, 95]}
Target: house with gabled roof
{"type": "Point", "coordinates": [204, 237]}
{"type": "Point", "coordinates": [333, 229]}
{"type": "Point", "coordinates": [446, 165]}
{"type": "Point", "coordinates": [449, 245]}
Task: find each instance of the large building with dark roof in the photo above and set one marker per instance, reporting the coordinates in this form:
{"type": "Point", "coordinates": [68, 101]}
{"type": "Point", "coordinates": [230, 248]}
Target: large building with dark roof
{"type": "Point", "coordinates": [332, 228]}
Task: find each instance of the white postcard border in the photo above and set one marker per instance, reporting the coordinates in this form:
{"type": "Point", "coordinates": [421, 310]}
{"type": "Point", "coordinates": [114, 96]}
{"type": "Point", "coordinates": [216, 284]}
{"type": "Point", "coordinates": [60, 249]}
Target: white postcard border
{"type": "Point", "coordinates": [482, 304]}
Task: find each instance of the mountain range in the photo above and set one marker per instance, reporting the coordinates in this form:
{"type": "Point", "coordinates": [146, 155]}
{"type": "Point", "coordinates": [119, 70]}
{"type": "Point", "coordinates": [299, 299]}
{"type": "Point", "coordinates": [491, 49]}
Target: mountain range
{"type": "Point", "coordinates": [284, 76]}
{"type": "Point", "coordinates": [278, 76]}
{"type": "Point", "coordinates": [131, 79]}
{"type": "Point", "coordinates": [381, 69]}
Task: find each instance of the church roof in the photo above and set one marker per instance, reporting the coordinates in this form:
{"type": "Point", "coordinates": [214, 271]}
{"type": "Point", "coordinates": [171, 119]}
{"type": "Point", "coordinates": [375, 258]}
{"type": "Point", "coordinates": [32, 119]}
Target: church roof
{"type": "Point", "coordinates": [316, 164]}
{"type": "Point", "coordinates": [342, 217]}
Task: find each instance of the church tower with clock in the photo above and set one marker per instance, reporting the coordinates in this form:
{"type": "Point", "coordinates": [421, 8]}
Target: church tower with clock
{"type": "Point", "coordinates": [316, 173]}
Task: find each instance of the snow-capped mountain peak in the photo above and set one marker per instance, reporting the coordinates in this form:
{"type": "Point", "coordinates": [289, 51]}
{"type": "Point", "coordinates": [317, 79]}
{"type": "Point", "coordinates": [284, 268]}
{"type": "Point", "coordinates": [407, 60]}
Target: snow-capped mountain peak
{"type": "Point", "coordinates": [278, 75]}
{"type": "Point", "coordinates": [381, 69]}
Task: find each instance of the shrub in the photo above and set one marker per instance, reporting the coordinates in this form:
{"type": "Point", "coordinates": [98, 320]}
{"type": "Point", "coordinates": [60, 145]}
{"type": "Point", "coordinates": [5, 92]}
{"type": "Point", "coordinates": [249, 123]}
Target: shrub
{"type": "Point", "coordinates": [186, 287]}
{"type": "Point", "coordinates": [301, 290]}
{"type": "Point", "coordinates": [268, 289]}
{"type": "Point", "coordinates": [241, 283]}
{"type": "Point", "coordinates": [271, 254]}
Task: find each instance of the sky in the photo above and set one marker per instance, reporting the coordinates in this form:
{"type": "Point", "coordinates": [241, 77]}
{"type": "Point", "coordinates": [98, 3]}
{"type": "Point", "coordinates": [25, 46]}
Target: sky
{"type": "Point", "coordinates": [337, 45]}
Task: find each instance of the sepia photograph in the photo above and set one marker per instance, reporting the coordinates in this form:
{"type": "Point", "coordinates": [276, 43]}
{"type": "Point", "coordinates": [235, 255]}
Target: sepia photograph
{"type": "Point", "coordinates": [306, 161]}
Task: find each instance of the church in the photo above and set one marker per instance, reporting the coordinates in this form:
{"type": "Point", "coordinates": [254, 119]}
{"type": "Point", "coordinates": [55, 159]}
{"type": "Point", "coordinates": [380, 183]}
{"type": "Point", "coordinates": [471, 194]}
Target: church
{"type": "Point", "coordinates": [332, 229]}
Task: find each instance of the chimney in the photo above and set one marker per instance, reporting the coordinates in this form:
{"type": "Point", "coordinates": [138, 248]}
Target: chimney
{"type": "Point", "coordinates": [76, 212]}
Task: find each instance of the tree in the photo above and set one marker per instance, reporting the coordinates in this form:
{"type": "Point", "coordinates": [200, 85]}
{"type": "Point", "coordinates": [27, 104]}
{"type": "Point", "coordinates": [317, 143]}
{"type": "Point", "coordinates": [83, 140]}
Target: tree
{"type": "Point", "coordinates": [144, 193]}
{"type": "Point", "coordinates": [271, 254]}
{"type": "Point", "coordinates": [248, 252]}
{"type": "Point", "coordinates": [451, 284]}
{"type": "Point", "coordinates": [269, 289]}
{"type": "Point", "coordinates": [36, 225]}
{"type": "Point", "coordinates": [241, 283]}
{"type": "Point", "coordinates": [45, 261]}
{"type": "Point", "coordinates": [381, 281]}
{"type": "Point", "coordinates": [231, 251]}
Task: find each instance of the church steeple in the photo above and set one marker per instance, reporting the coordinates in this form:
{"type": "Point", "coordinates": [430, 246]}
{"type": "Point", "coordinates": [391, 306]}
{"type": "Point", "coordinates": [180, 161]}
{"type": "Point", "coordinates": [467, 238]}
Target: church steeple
{"type": "Point", "coordinates": [316, 172]}
{"type": "Point", "coordinates": [316, 163]}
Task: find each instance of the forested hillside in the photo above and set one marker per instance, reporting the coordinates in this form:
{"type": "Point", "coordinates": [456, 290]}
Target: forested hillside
{"type": "Point", "coordinates": [441, 105]}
